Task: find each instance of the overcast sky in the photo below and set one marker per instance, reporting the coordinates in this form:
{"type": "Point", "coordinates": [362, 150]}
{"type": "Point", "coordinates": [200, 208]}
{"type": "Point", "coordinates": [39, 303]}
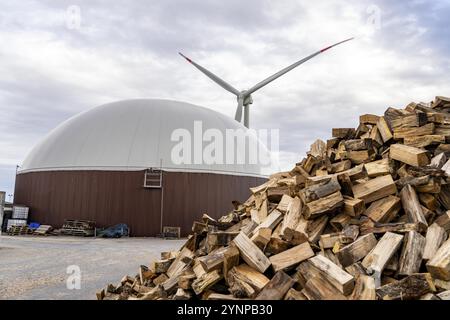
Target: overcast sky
{"type": "Point", "coordinates": [51, 69]}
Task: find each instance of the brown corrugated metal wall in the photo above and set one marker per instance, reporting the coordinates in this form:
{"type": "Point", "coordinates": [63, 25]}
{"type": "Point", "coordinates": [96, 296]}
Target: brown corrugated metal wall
{"type": "Point", "coordinates": [111, 197]}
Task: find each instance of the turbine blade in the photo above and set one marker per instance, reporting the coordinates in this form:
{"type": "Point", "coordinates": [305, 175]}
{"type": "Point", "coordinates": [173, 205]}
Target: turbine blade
{"type": "Point", "coordinates": [247, 115]}
{"type": "Point", "coordinates": [212, 76]}
{"type": "Point", "coordinates": [238, 115]}
{"type": "Point", "coordinates": [289, 68]}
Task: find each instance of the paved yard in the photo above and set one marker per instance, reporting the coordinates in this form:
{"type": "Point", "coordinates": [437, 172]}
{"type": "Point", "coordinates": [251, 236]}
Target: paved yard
{"type": "Point", "coordinates": [33, 267]}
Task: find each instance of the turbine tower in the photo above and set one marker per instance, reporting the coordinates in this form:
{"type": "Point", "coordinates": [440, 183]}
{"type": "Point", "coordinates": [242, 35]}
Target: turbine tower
{"type": "Point", "coordinates": [244, 97]}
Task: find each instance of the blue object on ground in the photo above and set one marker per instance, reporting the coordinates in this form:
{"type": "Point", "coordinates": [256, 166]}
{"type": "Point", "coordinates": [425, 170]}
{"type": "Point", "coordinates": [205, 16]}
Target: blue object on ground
{"type": "Point", "coordinates": [34, 225]}
{"type": "Point", "coordinates": [117, 231]}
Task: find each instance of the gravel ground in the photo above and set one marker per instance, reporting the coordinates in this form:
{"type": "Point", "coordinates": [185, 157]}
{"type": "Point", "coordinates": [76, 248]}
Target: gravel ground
{"type": "Point", "coordinates": [33, 267]}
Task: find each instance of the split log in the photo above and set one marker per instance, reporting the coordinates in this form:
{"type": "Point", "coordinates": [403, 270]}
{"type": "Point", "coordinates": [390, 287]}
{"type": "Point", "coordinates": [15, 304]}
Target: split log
{"type": "Point", "coordinates": [318, 148]}
{"type": "Point", "coordinates": [380, 255]}
{"type": "Point", "coordinates": [436, 235]}
{"type": "Point", "coordinates": [217, 239]}
{"type": "Point", "coordinates": [439, 160]}
{"type": "Point", "coordinates": [353, 207]}
{"type": "Point", "coordinates": [378, 168]}
{"type": "Point", "coordinates": [230, 259]}
{"type": "Point", "coordinates": [309, 230]}
{"type": "Point", "coordinates": [198, 268]}
{"type": "Point", "coordinates": [398, 227]}
{"type": "Point", "coordinates": [284, 203]}
{"type": "Point", "coordinates": [161, 266]}
{"type": "Point", "coordinates": [424, 140]}
{"type": "Point", "coordinates": [369, 119]}
{"type": "Point", "coordinates": [250, 226]}
{"type": "Point", "coordinates": [293, 294]}
{"type": "Point", "coordinates": [220, 296]}
{"type": "Point", "coordinates": [276, 288]}
{"type": "Point", "coordinates": [276, 245]}
{"type": "Point", "coordinates": [272, 220]}
{"type": "Point", "coordinates": [346, 184]}
{"type": "Point", "coordinates": [412, 181]}
{"type": "Point", "coordinates": [412, 206]}
{"type": "Point", "coordinates": [441, 284]}
{"type": "Point", "coordinates": [182, 294]}
{"type": "Point", "coordinates": [145, 274]}
{"type": "Point", "coordinates": [356, 270]}
{"type": "Point", "coordinates": [409, 155]}
{"type": "Point", "coordinates": [340, 221]}
{"type": "Point", "coordinates": [401, 119]}
{"type": "Point", "coordinates": [444, 295]}
{"type": "Point", "coordinates": [375, 189]}
{"type": "Point", "coordinates": [274, 194]}
{"type": "Point", "coordinates": [251, 253]}
{"type": "Point", "coordinates": [433, 186]}
{"type": "Point", "coordinates": [169, 254]}
{"type": "Point", "coordinates": [291, 257]}
{"type": "Point", "coordinates": [429, 201]}
{"type": "Point", "coordinates": [185, 280]}
{"type": "Point", "coordinates": [362, 156]}
{"type": "Point", "coordinates": [340, 166]}
{"type": "Point", "coordinates": [258, 215]}
{"type": "Point", "coordinates": [214, 260]}
{"type": "Point", "coordinates": [375, 135]}
{"type": "Point", "coordinates": [349, 234]}
{"type": "Point", "coordinates": [206, 281]}
{"type": "Point", "coordinates": [429, 296]}
{"type": "Point", "coordinates": [384, 130]}
{"type": "Point", "coordinates": [328, 204]}
{"type": "Point", "coordinates": [357, 250]}
{"type": "Point", "coordinates": [291, 218]}
{"type": "Point", "coordinates": [160, 279]}
{"type": "Point", "coordinates": [411, 287]}
{"type": "Point", "coordinates": [262, 237]}
{"type": "Point", "coordinates": [444, 221]}
{"type": "Point", "coordinates": [340, 279]}
{"type": "Point", "coordinates": [343, 133]}
{"type": "Point", "coordinates": [328, 241]}
{"type": "Point", "coordinates": [444, 196]}
{"type": "Point", "coordinates": [320, 190]}
{"type": "Point", "coordinates": [244, 281]}
{"type": "Point", "coordinates": [355, 173]}
{"type": "Point", "coordinates": [180, 263]}
{"type": "Point", "coordinates": [412, 253]}
{"type": "Point", "coordinates": [317, 288]}
{"type": "Point", "coordinates": [358, 144]}
{"type": "Point", "coordinates": [315, 228]}
{"type": "Point", "coordinates": [170, 285]}
{"type": "Point", "coordinates": [439, 265]}
{"type": "Point", "coordinates": [364, 289]}
{"type": "Point", "coordinates": [384, 210]}
{"type": "Point", "coordinates": [406, 132]}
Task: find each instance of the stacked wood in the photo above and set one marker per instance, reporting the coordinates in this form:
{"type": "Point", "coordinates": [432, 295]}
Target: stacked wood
{"type": "Point", "coordinates": [364, 216]}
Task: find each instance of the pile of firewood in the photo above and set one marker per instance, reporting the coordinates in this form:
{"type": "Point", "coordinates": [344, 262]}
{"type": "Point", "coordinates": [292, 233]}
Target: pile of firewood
{"type": "Point", "coordinates": [363, 216]}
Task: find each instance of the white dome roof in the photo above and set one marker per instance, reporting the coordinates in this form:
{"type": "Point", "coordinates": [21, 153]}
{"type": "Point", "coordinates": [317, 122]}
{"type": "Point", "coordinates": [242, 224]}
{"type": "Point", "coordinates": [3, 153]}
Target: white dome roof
{"type": "Point", "coordinates": [131, 135]}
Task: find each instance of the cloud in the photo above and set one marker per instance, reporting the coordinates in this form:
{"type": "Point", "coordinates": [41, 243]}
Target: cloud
{"type": "Point", "coordinates": [123, 49]}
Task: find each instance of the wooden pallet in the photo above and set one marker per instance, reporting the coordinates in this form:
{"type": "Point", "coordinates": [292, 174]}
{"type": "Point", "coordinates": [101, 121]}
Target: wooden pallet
{"type": "Point", "coordinates": [43, 230]}
{"type": "Point", "coordinates": [81, 228]}
{"type": "Point", "coordinates": [77, 232]}
{"type": "Point", "coordinates": [18, 230]}
{"type": "Point", "coordinates": [171, 232]}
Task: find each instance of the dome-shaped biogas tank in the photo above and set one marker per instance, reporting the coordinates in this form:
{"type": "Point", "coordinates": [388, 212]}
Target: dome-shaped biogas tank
{"type": "Point", "coordinates": [144, 133]}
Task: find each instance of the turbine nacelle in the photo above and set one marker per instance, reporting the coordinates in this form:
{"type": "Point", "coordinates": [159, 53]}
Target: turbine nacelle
{"type": "Point", "coordinates": [244, 97]}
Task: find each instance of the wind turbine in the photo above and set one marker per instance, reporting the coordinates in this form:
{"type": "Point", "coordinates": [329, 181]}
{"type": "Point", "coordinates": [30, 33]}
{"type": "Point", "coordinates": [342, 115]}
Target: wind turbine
{"type": "Point", "coordinates": [244, 97]}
